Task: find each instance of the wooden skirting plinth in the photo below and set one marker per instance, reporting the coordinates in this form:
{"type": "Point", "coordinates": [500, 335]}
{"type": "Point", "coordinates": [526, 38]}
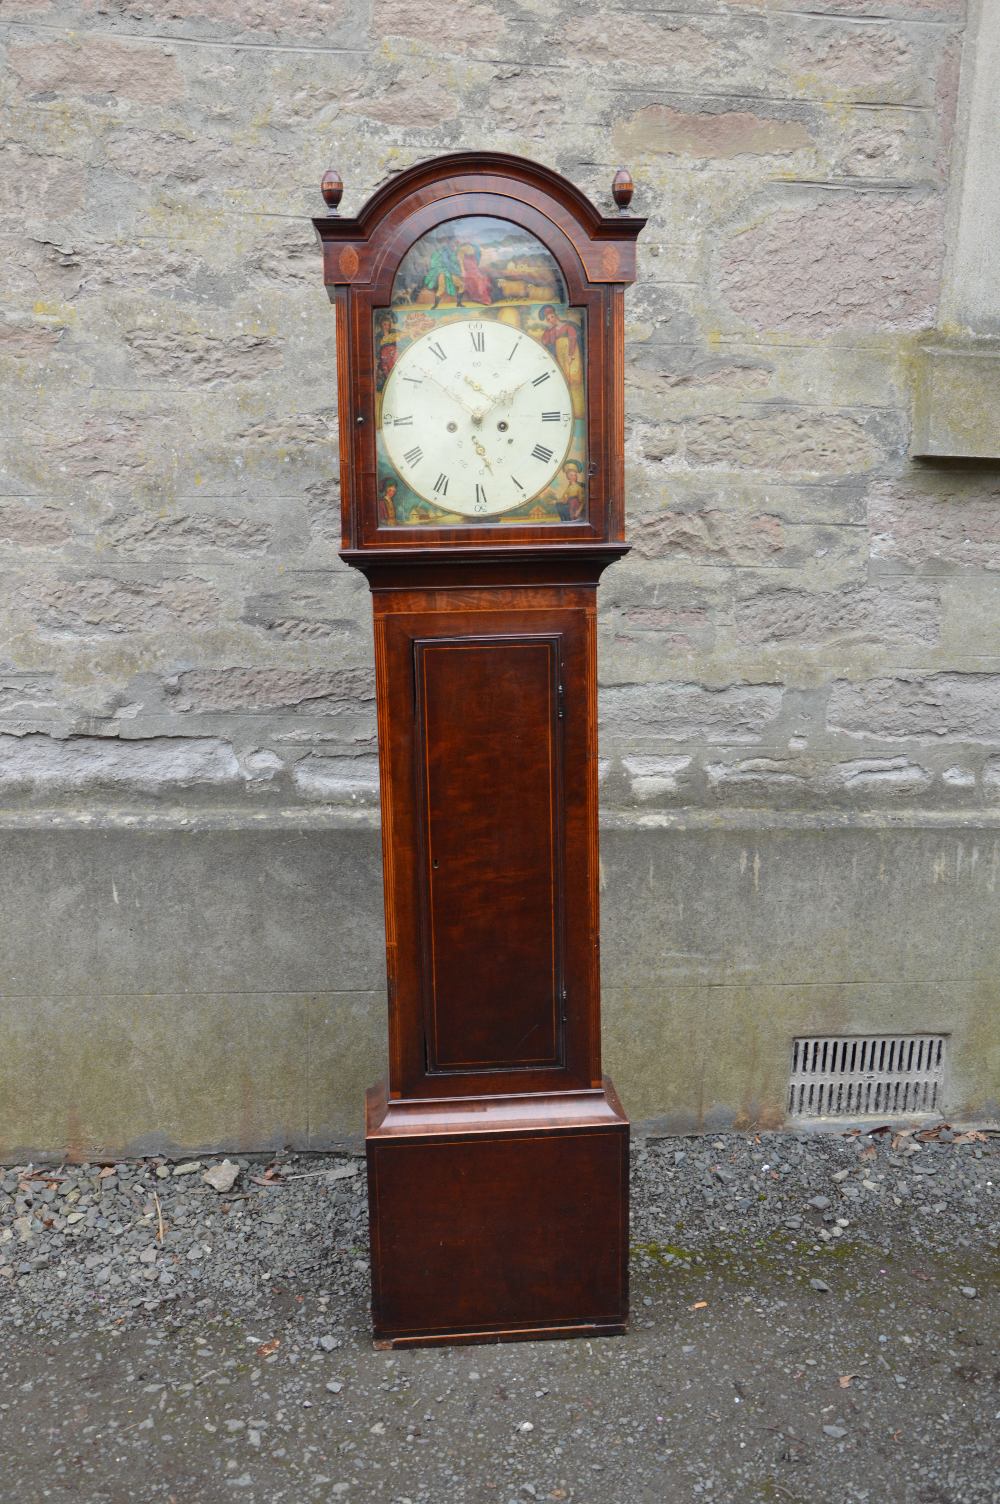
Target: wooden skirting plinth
{"type": "Point", "coordinates": [498, 1219]}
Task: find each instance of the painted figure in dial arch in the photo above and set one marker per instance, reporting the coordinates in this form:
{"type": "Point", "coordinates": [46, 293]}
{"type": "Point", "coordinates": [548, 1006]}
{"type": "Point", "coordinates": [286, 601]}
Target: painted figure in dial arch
{"type": "Point", "coordinates": [444, 274]}
{"type": "Point", "coordinates": [478, 286]}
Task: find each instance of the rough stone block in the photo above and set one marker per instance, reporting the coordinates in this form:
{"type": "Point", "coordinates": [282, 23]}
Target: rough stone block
{"type": "Point", "coordinates": [98, 604]}
{"type": "Point", "coordinates": [665, 130]}
{"type": "Point", "coordinates": [161, 763]}
{"type": "Point", "coordinates": [655, 777]}
{"type": "Point", "coordinates": [900, 617]}
{"type": "Point", "coordinates": [112, 448]}
{"type": "Point", "coordinates": [658, 379]}
{"type": "Point", "coordinates": [296, 19]}
{"type": "Point", "coordinates": [783, 441]}
{"type": "Point", "coordinates": [26, 694]}
{"type": "Point", "coordinates": [293, 434]}
{"type": "Point", "coordinates": [527, 103]}
{"type": "Point", "coordinates": [30, 180]}
{"type": "Point", "coordinates": [421, 102]}
{"type": "Point", "coordinates": [323, 508]}
{"type": "Point", "coordinates": [755, 777]}
{"type": "Point", "coordinates": [879, 145]}
{"type": "Point", "coordinates": [315, 691]}
{"type": "Point", "coordinates": [37, 268]}
{"type": "Point", "coordinates": [948, 528]}
{"type": "Point", "coordinates": [865, 260]}
{"type": "Point", "coordinates": [305, 616]}
{"type": "Point", "coordinates": [196, 162]}
{"type": "Point", "coordinates": [33, 527]}
{"type": "Point", "coordinates": [144, 532]}
{"type": "Point", "coordinates": [208, 358]}
{"type": "Point", "coordinates": [92, 66]}
{"type": "Point", "coordinates": [881, 775]}
{"type": "Point", "coordinates": [949, 706]}
{"type": "Point", "coordinates": [696, 49]}
{"type": "Point", "coordinates": [717, 536]}
{"type": "Point", "coordinates": [857, 60]}
{"type": "Point", "coordinates": [284, 260]}
{"type": "Point", "coordinates": [28, 341]}
{"type": "Point", "coordinates": [931, 10]}
{"type": "Point", "coordinates": [455, 29]}
{"type": "Point", "coordinates": [681, 712]}
{"type": "Point", "coordinates": [338, 780]}
{"type": "Point", "coordinates": [672, 630]}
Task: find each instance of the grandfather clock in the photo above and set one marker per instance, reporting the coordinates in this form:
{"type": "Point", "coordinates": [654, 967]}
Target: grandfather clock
{"type": "Point", "coordinates": [480, 335]}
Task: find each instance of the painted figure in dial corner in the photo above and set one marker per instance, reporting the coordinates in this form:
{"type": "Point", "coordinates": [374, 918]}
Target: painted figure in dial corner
{"type": "Point", "coordinates": [570, 503]}
{"type": "Point", "coordinates": [573, 500]}
{"type": "Point", "coordinates": [562, 339]}
{"type": "Point", "coordinates": [388, 349]}
{"type": "Point", "coordinates": [387, 504]}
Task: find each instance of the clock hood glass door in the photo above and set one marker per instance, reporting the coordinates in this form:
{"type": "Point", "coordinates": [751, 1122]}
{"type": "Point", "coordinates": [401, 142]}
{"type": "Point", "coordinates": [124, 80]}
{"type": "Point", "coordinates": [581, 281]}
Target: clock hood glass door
{"type": "Point", "coordinates": [480, 377]}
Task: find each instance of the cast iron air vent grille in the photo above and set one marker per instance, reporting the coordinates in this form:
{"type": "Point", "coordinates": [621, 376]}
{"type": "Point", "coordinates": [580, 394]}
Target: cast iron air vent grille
{"type": "Point", "coordinates": [883, 1075]}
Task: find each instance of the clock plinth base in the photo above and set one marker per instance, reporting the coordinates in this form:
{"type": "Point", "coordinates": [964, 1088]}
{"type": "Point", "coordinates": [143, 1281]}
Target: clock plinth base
{"type": "Point", "coordinates": [498, 1219]}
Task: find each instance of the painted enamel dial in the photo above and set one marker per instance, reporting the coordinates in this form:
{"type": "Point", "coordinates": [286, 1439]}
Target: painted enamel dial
{"type": "Point", "coordinates": [477, 417]}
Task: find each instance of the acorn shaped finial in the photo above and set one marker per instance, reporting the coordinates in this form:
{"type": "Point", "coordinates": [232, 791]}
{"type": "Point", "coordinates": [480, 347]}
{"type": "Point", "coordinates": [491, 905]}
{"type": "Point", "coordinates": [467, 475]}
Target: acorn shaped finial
{"type": "Point", "coordinates": [622, 189]}
{"type": "Point", "coordinates": [332, 189]}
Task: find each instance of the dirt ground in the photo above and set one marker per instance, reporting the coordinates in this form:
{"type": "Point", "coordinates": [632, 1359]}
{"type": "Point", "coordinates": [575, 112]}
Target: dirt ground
{"type": "Point", "coordinates": [741, 1381]}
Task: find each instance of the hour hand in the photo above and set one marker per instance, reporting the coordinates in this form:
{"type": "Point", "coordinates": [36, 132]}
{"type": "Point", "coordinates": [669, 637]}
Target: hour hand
{"type": "Point", "coordinates": [484, 393]}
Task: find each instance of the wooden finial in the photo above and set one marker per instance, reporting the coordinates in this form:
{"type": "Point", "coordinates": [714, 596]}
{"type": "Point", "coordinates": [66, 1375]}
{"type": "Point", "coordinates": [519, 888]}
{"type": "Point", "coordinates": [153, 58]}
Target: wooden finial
{"type": "Point", "coordinates": [622, 189]}
{"type": "Point", "coordinates": [332, 189]}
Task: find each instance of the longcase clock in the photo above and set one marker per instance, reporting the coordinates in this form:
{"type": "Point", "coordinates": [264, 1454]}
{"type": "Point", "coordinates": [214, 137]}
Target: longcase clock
{"type": "Point", "coordinates": [480, 335]}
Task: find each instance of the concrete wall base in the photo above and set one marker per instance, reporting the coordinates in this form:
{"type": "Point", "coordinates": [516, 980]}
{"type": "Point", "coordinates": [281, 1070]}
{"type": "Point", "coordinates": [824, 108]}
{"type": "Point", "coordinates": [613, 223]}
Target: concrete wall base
{"type": "Point", "coordinates": [178, 983]}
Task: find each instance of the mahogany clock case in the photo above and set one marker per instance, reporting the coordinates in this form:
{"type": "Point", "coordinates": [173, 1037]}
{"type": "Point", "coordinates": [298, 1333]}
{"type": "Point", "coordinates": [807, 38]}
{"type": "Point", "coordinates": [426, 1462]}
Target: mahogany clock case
{"type": "Point", "coordinates": [497, 1151]}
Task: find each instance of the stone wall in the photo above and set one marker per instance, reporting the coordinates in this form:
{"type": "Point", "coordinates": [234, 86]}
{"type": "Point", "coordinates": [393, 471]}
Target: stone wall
{"type": "Point", "coordinates": [806, 629]}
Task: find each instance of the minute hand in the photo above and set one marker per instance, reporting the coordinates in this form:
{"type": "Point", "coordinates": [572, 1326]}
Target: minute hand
{"type": "Point", "coordinates": [506, 398]}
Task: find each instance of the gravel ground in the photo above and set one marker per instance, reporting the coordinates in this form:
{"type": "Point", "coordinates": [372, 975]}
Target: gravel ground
{"type": "Point", "coordinates": [813, 1318]}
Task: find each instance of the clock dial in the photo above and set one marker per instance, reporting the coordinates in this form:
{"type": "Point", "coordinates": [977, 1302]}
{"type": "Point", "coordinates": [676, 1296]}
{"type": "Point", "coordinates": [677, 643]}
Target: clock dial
{"type": "Point", "coordinates": [480, 383]}
{"type": "Point", "coordinates": [477, 417]}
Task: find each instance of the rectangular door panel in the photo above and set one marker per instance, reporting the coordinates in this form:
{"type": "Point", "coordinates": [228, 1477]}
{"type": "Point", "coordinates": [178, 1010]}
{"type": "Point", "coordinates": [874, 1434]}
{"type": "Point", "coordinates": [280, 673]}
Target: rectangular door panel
{"type": "Point", "coordinates": [489, 771]}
